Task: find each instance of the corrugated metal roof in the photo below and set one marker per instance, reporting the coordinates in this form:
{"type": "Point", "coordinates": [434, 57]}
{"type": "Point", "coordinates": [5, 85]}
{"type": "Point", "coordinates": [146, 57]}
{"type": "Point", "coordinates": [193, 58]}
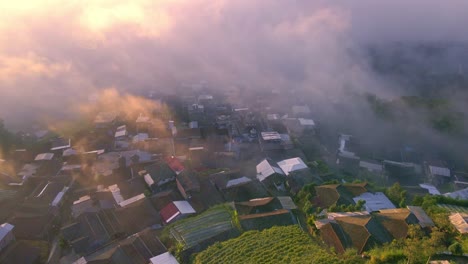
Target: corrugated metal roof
{"type": "Point", "coordinates": [265, 169]}
{"type": "Point", "coordinates": [184, 207]}
{"type": "Point", "coordinates": [290, 165]}
{"type": "Point", "coordinates": [165, 258]}
{"type": "Point", "coordinates": [375, 202]}
{"type": "Point", "coordinates": [439, 171]}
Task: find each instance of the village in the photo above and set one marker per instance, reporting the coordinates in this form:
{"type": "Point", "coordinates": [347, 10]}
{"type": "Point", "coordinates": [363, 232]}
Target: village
{"type": "Point", "coordinates": [171, 178]}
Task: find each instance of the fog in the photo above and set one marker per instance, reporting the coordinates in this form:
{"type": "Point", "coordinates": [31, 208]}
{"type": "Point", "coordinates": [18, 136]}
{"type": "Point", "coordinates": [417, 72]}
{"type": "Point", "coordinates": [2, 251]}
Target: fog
{"type": "Point", "coordinates": [54, 55]}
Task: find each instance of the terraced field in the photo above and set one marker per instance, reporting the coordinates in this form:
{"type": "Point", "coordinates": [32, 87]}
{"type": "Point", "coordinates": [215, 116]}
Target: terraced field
{"type": "Point", "coordinates": [192, 231]}
{"type": "Point", "coordinates": [285, 244]}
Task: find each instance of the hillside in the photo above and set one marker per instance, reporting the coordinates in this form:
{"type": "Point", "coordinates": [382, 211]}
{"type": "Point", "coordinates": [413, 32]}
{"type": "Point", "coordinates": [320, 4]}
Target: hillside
{"type": "Point", "coordinates": [275, 245]}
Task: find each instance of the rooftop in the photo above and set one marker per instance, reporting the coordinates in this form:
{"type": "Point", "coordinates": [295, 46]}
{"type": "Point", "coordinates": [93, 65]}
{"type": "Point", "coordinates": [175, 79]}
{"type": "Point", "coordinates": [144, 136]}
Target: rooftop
{"type": "Point", "coordinates": [273, 135]}
{"type": "Point", "coordinates": [290, 165]}
{"type": "Point", "coordinates": [440, 171]}
{"type": "Point", "coordinates": [44, 156]}
{"type": "Point", "coordinates": [266, 169]}
{"type": "Point", "coordinates": [164, 258]}
{"type": "Point", "coordinates": [375, 201]}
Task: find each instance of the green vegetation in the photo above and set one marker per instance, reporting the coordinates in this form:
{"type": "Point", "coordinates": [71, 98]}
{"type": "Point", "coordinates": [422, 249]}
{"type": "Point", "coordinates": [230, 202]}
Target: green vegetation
{"type": "Point", "coordinates": [275, 245]}
{"type": "Point", "coordinates": [194, 230]}
{"type": "Point", "coordinates": [396, 194]}
{"type": "Point", "coordinates": [417, 248]}
{"type": "Point", "coordinates": [347, 208]}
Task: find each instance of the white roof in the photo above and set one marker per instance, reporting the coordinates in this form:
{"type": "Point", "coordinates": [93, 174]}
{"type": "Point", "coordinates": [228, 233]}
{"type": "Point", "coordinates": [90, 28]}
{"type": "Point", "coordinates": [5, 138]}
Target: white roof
{"type": "Point", "coordinates": [290, 165]}
{"type": "Point", "coordinates": [132, 200]}
{"type": "Point", "coordinates": [432, 189]}
{"type": "Point", "coordinates": [184, 207]}
{"type": "Point", "coordinates": [271, 135]}
{"type": "Point", "coordinates": [82, 199]}
{"type": "Point", "coordinates": [265, 169]}
{"type": "Point", "coordinates": [164, 258]}
{"type": "Point", "coordinates": [306, 122]}
{"type": "Point", "coordinates": [375, 202]}
{"type": "Point", "coordinates": [439, 171]}
{"type": "Point", "coordinates": [148, 180]}
{"type": "Point", "coordinates": [5, 228]}
{"type": "Point", "coordinates": [238, 181]}
{"type": "Point", "coordinates": [44, 156]}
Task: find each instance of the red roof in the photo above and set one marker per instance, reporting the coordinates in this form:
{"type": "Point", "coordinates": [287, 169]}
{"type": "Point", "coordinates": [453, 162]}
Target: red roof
{"type": "Point", "coordinates": [169, 212]}
{"type": "Point", "coordinates": [175, 164]}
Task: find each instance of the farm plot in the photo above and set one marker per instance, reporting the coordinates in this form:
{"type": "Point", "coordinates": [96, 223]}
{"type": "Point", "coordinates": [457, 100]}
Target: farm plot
{"type": "Point", "coordinates": [454, 208]}
{"type": "Point", "coordinates": [195, 230]}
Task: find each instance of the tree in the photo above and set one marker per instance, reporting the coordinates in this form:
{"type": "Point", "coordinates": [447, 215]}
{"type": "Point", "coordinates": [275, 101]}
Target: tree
{"type": "Point", "coordinates": [456, 248]}
{"type": "Point", "coordinates": [396, 194]}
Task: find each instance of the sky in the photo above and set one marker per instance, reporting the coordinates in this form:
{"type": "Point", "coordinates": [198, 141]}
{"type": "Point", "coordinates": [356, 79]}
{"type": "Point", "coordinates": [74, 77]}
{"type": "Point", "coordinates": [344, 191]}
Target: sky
{"type": "Point", "coordinates": [54, 54]}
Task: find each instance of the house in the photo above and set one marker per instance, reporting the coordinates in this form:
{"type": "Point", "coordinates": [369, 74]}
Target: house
{"type": "Point", "coordinates": [274, 141]}
{"type": "Point", "coordinates": [336, 194]}
{"type": "Point", "coordinates": [60, 144]}
{"type": "Point", "coordinates": [158, 174]}
{"type": "Point", "coordinates": [374, 201]}
{"type": "Point", "coordinates": [270, 173]}
{"type": "Point", "coordinates": [460, 222]}
{"type": "Point", "coordinates": [175, 164]}
{"type": "Point", "coordinates": [6, 235]}
{"type": "Point", "coordinates": [292, 165]}
{"type": "Point", "coordinates": [176, 210]}
{"type": "Point", "coordinates": [187, 183]}
{"type": "Point", "coordinates": [262, 213]}
{"type": "Point", "coordinates": [82, 205]}
{"type": "Point", "coordinates": [93, 230]}
{"type": "Point", "coordinates": [399, 170]}
{"type": "Point", "coordinates": [44, 157]}
{"type": "Point", "coordinates": [224, 181]}
{"type": "Point", "coordinates": [460, 194]}
{"type": "Point", "coordinates": [423, 219]}
{"type": "Point", "coordinates": [138, 248]}
{"type": "Point", "coordinates": [438, 175]}
{"type": "Point", "coordinates": [25, 252]}
{"type": "Point", "coordinates": [32, 225]}
{"type": "Point", "coordinates": [299, 126]}
{"type": "Point", "coordinates": [397, 221]}
{"type": "Point", "coordinates": [164, 258]}
{"type": "Point", "coordinates": [121, 132]}
{"type": "Point", "coordinates": [364, 231]}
